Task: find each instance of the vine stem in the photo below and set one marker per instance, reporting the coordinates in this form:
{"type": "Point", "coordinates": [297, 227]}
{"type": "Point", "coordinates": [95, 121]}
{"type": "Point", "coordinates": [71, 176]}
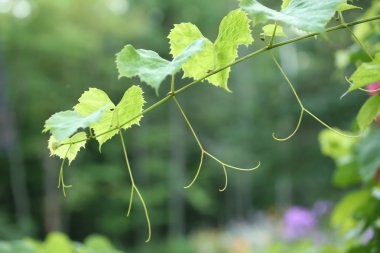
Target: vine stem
{"type": "Point", "coordinates": [204, 152]}
{"type": "Point", "coordinates": [244, 58]}
{"type": "Point", "coordinates": [134, 188]}
{"type": "Point", "coordinates": [357, 40]}
{"type": "Point", "coordinates": [303, 108]}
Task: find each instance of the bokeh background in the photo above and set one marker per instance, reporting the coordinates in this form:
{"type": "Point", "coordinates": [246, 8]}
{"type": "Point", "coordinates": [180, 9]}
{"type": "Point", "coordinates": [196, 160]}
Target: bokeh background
{"type": "Point", "coordinates": [52, 51]}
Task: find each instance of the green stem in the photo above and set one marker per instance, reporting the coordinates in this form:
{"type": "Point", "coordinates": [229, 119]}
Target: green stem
{"type": "Point", "coordinates": [273, 35]}
{"type": "Point", "coordinates": [188, 123]}
{"type": "Point", "coordinates": [172, 85]}
{"type": "Point", "coordinates": [357, 40]}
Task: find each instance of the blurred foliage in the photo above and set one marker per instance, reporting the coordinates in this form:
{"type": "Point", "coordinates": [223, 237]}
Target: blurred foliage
{"type": "Point", "coordinates": [59, 243]}
{"type": "Point", "coordinates": [357, 160]}
{"type": "Point", "coordinates": [51, 54]}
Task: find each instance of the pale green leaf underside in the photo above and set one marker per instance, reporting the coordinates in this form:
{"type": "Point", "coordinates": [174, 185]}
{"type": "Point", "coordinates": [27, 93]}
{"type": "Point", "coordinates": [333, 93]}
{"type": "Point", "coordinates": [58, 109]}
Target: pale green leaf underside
{"type": "Point", "coordinates": [149, 66]}
{"type": "Point", "coordinates": [367, 73]}
{"type": "Point", "coordinates": [234, 30]}
{"type": "Point", "coordinates": [63, 124]}
{"type": "Point", "coordinates": [269, 29]}
{"type": "Point", "coordinates": [306, 15]}
{"type": "Point", "coordinates": [368, 112]}
{"type": "Point", "coordinates": [65, 150]}
{"type": "Point", "coordinates": [127, 110]}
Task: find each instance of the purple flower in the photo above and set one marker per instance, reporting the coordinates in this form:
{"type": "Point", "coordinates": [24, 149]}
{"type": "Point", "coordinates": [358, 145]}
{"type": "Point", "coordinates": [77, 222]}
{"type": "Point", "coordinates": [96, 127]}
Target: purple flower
{"type": "Point", "coordinates": [298, 221]}
{"type": "Point", "coordinates": [321, 208]}
{"type": "Point", "coordinates": [368, 235]}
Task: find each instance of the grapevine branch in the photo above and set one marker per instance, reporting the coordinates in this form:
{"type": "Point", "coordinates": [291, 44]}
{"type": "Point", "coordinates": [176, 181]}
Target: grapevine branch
{"type": "Point", "coordinates": [172, 95]}
{"type": "Point", "coordinates": [244, 58]}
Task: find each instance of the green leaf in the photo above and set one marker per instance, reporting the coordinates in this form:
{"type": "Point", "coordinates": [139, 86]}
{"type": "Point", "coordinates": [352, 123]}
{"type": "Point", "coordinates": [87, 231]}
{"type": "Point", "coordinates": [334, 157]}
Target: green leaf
{"type": "Point", "coordinates": [336, 146]}
{"type": "Point", "coordinates": [343, 214]}
{"type": "Point", "coordinates": [367, 73]}
{"type": "Point", "coordinates": [345, 7]}
{"type": "Point", "coordinates": [125, 114]}
{"type": "Point", "coordinates": [269, 29]}
{"type": "Point", "coordinates": [369, 154]}
{"type": "Point", "coordinates": [64, 149]}
{"type": "Point", "coordinates": [234, 30]}
{"type": "Point", "coordinates": [58, 243]}
{"type": "Point", "coordinates": [99, 244]}
{"type": "Point", "coordinates": [347, 174]}
{"type": "Point", "coordinates": [307, 15]}
{"type": "Point", "coordinates": [149, 66]}
{"type": "Point", "coordinates": [368, 112]}
{"type": "Point", "coordinates": [63, 124]}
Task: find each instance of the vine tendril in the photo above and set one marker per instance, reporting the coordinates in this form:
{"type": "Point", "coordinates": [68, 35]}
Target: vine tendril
{"type": "Point", "coordinates": [134, 187]}
{"type": "Point", "coordinates": [303, 108]}
{"type": "Point", "coordinates": [204, 152]}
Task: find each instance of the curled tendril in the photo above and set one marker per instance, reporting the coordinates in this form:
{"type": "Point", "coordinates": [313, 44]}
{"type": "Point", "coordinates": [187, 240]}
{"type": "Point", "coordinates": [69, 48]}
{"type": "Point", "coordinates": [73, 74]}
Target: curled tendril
{"type": "Point", "coordinates": [198, 171]}
{"type": "Point", "coordinates": [293, 133]}
{"type": "Point", "coordinates": [226, 179]}
{"type": "Point", "coordinates": [362, 89]}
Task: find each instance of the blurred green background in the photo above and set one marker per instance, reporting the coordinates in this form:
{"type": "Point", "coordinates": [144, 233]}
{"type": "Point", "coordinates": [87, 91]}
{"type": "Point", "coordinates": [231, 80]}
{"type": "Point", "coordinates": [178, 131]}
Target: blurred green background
{"type": "Point", "coordinates": [52, 51]}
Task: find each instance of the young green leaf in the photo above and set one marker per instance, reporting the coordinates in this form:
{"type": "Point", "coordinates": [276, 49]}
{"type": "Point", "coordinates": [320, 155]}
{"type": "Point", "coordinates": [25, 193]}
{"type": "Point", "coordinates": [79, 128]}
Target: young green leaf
{"type": "Point", "coordinates": [367, 73]}
{"type": "Point", "coordinates": [306, 15]}
{"type": "Point", "coordinates": [65, 149]}
{"type": "Point", "coordinates": [63, 124]}
{"type": "Point", "coordinates": [269, 29]}
{"type": "Point", "coordinates": [368, 112]}
{"type": "Point", "coordinates": [234, 30]}
{"type": "Point", "coordinates": [345, 7]}
{"type": "Point", "coordinates": [124, 115]}
{"type": "Point", "coordinates": [149, 66]}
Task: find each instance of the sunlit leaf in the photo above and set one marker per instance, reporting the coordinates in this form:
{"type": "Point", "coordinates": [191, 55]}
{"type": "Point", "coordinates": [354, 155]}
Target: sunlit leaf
{"type": "Point", "coordinates": [306, 15]}
{"type": "Point", "coordinates": [63, 124]}
{"type": "Point", "coordinates": [149, 66]}
{"type": "Point", "coordinates": [367, 73]}
{"type": "Point", "coordinates": [343, 214]}
{"type": "Point", "coordinates": [124, 115]}
{"type": "Point", "coordinates": [234, 30]}
{"type": "Point", "coordinates": [68, 148]}
{"type": "Point", "coordinates": [269, 29]}
{"type": "Point", "coordinates": [368, 112]}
